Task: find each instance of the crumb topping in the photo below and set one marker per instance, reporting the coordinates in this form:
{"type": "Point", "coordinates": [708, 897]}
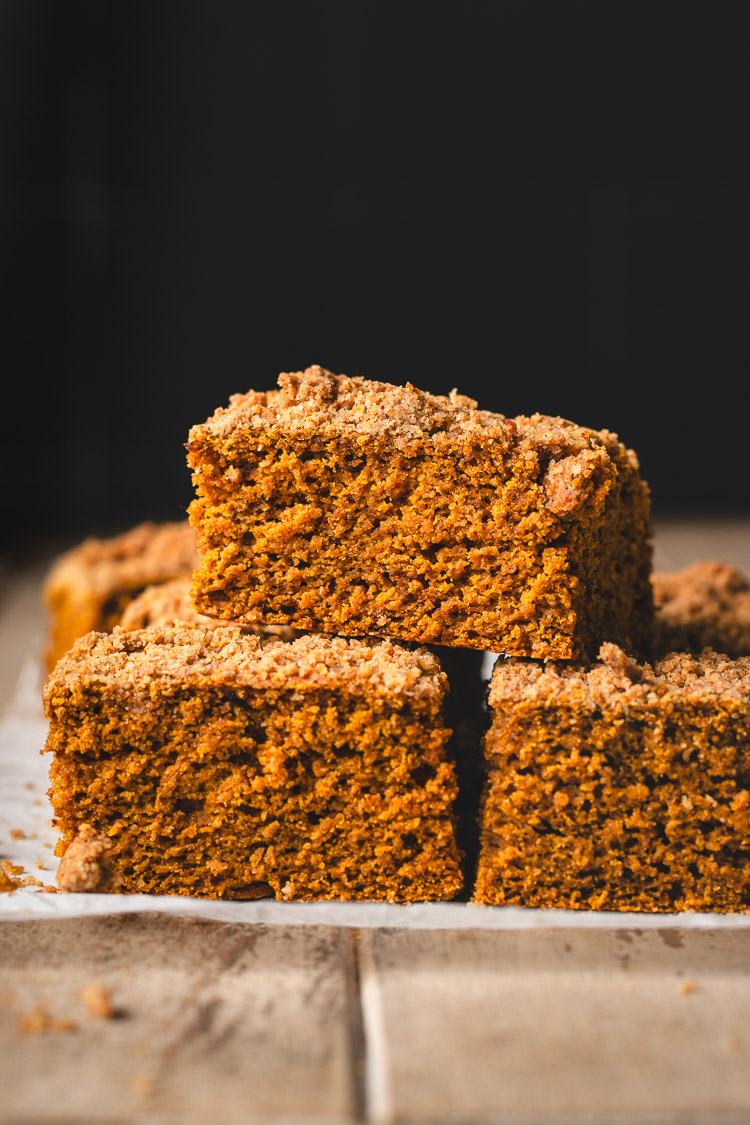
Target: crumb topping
{"type": "Point", "coordinates": [146, 553]}
{"type": "Point", "coordinates": [86, 864]}
{"type": "Point", "coordinates": [686, 591]}
{"type": "Point", "coordinates": [706, 604]}
{"type": "Point", "coordinates": [618, 681]}
{"type": "Point", "coordinates": [162, 658]}
{"type": "Point", "coordinates": [318, 400]}
{"type": "Point", "coordinates": [162, 604]}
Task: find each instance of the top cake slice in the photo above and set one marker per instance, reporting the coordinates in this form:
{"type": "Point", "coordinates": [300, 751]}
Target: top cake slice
{"type": "Point", "coordinates": [348, 506]}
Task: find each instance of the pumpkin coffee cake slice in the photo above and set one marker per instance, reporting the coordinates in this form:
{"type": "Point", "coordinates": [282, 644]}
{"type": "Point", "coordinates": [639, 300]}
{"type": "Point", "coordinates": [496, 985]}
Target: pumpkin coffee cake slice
{"type": "Point", "coordinates": [618, 786]}
{"type": "Point", "coordinates": [215, 763]}
{"type": "Point", "coordinates": [355, 507]}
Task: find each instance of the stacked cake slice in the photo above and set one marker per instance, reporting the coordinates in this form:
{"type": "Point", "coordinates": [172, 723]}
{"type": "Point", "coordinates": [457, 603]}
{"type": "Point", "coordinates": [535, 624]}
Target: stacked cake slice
{"type": "Point", "coordinates": [354, 507]}
{"type": "Point", "coordinates": [214, 763]}
{"type": "Point", "coordinates": [618, 786]}
{"type": "Point", "coordinates": [208, 746]}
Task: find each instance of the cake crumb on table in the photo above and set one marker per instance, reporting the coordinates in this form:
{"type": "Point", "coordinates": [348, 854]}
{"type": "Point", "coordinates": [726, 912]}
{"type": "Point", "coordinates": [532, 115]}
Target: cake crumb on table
{"type": "Point", "coordinates": [39, 1021]}
{"type": "Point", "coordinates": [98, 1001]}
{"type": "Point", "coordinates": [142, 1084]}
{"type": "Point", "coordinates": [13, 877]}
{"type": "Point", "coordinates": [9, 873]}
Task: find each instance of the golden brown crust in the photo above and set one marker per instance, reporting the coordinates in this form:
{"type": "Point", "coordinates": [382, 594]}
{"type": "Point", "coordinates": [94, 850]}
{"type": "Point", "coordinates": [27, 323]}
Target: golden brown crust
{"type": "Point", "coordinates": [706, 605]}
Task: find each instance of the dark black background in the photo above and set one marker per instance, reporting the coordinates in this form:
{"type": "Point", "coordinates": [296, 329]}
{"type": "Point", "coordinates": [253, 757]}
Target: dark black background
{"type": "Point", "coordinates": [544, 205]}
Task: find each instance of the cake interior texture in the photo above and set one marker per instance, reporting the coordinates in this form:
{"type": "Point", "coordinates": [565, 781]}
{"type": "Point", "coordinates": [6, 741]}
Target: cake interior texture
{"type": "Point", "coordinates": [352, 507]}
{"type": "Point", "coordinates": [213, 763]}
{"type": "Point", "coordinates": [621, 786]}
{"type": "Point", "coordinates": [89, 587]}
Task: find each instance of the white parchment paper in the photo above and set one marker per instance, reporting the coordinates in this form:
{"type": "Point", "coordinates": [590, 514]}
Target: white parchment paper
{"type": "Point", "coordinates": [27, 839]}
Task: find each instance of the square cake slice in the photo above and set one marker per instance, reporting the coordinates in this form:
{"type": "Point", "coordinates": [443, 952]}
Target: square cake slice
{"type": "Point", "coordinates": [215, 763]}
{"type": "Point", "coordinates": [170, 602]}
{"type": "Point", "coordinates": [359, 508]}
{"type": "Point", "coordinates": [706, 605]}
{"type": "Point", "coordinates": [618, 787]}
{"type": "Point", "coordinates": [89, 587]}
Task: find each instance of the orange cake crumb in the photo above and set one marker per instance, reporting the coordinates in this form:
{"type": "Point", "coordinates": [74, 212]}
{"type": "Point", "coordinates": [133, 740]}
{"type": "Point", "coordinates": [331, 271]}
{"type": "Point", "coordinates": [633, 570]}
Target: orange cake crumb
{"type": "Point", "coordinates": [9, 873]}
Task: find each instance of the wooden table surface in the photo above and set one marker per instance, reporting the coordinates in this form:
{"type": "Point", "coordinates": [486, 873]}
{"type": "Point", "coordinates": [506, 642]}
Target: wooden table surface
{"type": "Point", "coordinates": [226, 1022]}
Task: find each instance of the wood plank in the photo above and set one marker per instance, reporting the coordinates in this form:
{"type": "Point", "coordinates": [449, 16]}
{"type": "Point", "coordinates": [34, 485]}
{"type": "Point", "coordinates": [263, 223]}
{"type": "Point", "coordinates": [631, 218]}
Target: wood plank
{"type": "Point", "coordinates": [557, 1025]}
{"type": "Point", "coordinates": [214, 1021]}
